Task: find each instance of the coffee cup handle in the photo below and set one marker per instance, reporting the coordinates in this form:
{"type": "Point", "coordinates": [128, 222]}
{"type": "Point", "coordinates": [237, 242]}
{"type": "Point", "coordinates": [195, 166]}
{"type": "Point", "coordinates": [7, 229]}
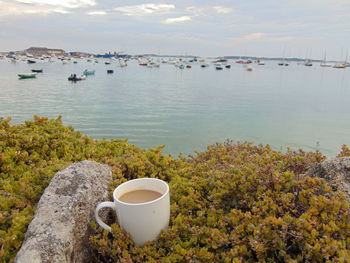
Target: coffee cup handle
{"type": "Point", "coordinates": [98, 218]}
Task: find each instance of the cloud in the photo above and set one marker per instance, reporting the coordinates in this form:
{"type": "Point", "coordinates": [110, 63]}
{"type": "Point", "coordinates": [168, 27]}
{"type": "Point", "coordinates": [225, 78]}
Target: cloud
{"type": "Point", "coordinates": [175, 20]}
{"type": "Point", "coordinates": [45, 11]}
{"type": "Point", "coordinates": [26, 7]}
{"type": "Point", "coordinates": [282, 38]}
{"type": "Point", "coordinates": [249, 37]}
{"type": "Point", "coordinates": [144, 9]}
{"type": "Point", "coordinates": [195, 10]}
{"type": "Point", "coordinates": [97, 13]}
{"type": "Point", "coordinates": [268, 38]}
{"type": "Point", "coordinates": [60, 3]}
{"type": "Point", "coordinates": [222, 9]}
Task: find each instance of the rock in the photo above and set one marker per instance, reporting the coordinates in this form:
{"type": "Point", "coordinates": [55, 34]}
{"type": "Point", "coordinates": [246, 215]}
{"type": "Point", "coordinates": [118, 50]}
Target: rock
{"type": "Point", "coordinates": [60, 229]}
{"type": "Point", "coordinates": [337, 172]}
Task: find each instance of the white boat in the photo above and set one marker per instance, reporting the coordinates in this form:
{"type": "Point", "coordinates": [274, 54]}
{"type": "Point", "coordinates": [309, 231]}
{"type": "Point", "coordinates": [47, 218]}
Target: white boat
{"type": "Point", "coordinates": [249, 68]}
{"type": "Point", "coordinates": [143, 61]}
{"type": "Point", "coordinates": [153, 64]}
{"type": "Point", "coordinates": [122, 63]}
{"type": "Point", "coordinates": [324, 62]}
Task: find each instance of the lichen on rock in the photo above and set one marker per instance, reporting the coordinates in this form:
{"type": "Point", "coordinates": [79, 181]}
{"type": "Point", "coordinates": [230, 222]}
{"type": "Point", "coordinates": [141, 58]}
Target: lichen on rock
{"type": "Point", "coordinates": [60, 229]}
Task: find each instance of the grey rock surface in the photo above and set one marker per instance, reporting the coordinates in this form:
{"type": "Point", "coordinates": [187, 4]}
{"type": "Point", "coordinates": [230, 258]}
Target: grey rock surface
{"type": "Point", "coordinates": [337, 172]}
{"type": "Point", "coordinates": [60, 228]}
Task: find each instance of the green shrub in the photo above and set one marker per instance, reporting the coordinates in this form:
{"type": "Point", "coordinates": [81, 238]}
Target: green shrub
{"type": "Point", "coordinates": [232, 203]}
{"type": "Point", "coordinates": [242, 203]}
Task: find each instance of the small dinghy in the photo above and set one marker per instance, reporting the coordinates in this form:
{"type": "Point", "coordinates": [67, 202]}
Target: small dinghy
{"type": "Point", "coordinates": [228, 66]}
{"type": "Point", "coordinates": [249, 68]}
{"type": "Point", "coordinates": [29, 61]}
{"type": "Point", "coordinates": [74, 77]}
{"type": "Point", "coordinates": [37, 70]}
{"type": "Point", "coordinates": [27, 75]}
{"type": "Point", "coordinates": [110, 71]}
{"type": "Point", "coordinates": [218, 67]}
{"type": "Point", "coordinates": [89, 72]}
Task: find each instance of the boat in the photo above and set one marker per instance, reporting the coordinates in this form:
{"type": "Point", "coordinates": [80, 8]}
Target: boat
{"type": "Point", "coordinates": [242, 61]}
{"type": "Point", "coordinates": [37, 70]}
{"type": "Point", "coordinates": [74, 77]}
{"type": "Point", "coordinates": [181, 66]}
{"type": "Point", "coordinates": [143, 61]}
{"type": "Point", "coordinates": [29, 61]}
{"type": "Point", "coordinates": [261, 63]}
{"type": "Point", "coordinates": [223, 61]}
{"type": "Point", "coordinates": [228, 66]}
{"type": "Point", "coordinates": [110, 71]}
{"type": "Point", "coordinates": [153, 64]}
{"type": "Point", "coordinates": [281, 63]}
{"type": "Point", "coordinates": [218, 67]}
{"type": "Point", "coordinates": [249, 68]}
{"type": "Point", "coordinates": [122, 63]}
{"type": "Point", "coordinates": [339, 65]}
{"type": "Point", "coordinates": [27, 75]}
{"type": "Point", "coordinates": [89, 72]}
{"type": "Point", "coordinates": [344, 64]}
{"type": "Point", "coordinates": [107, 63]}
{"type": "Point", "coordinates": [324, 62]}
{"type": "Point", "coordinates": [188, 66]}
{"type": "Point", "coordinates": [308, 63]}
{"type": "Point", "coordinates": [75, 62]}
{"type": "Point", "coordinates": [205, 65]}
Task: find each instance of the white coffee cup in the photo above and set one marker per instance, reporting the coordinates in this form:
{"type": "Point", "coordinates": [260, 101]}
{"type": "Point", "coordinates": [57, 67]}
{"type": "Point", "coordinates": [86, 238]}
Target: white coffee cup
{"type": "Point", "coordinates": [143, 221]}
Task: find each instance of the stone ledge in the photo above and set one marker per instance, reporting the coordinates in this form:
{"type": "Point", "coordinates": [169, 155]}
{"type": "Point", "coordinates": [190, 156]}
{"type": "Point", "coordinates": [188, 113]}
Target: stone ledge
{"type": "Point", "coordinates": [59, 230]}
{"type": "Point", "coordinates": [337, 172]}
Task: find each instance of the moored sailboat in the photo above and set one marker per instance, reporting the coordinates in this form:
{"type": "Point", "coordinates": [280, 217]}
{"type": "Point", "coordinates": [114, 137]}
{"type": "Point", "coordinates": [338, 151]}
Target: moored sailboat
{"type": "Point", "coordinates": [324, 62]}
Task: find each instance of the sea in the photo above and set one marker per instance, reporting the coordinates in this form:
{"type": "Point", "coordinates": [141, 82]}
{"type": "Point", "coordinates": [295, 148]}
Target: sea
{"type": "Point", "coordinates": [188, 109]}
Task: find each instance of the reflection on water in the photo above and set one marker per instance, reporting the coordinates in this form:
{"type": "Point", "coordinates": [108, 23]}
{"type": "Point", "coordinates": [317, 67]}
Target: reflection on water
{"type": "Point", "coordinates": [188, 109]}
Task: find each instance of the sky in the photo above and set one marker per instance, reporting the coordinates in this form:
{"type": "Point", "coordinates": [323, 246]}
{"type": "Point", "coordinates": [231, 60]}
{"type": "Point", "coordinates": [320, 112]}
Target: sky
{"type": "Point", "coordinates": [270, 28]}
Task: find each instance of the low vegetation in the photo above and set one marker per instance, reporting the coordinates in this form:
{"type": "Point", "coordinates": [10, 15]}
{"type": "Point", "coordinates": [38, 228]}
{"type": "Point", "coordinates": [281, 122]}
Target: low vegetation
{"type": "Point", "coordinates": [235, 202]}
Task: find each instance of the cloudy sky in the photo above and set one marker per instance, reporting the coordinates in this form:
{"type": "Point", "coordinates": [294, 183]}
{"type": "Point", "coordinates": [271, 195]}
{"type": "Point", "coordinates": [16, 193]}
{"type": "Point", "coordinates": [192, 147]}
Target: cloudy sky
{"type": "Point", "coordinates": [200, 27]}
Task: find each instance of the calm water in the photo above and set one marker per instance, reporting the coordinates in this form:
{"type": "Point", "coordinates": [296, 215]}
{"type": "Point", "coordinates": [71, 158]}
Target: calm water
{"type": "Point", "coordinates": [188, 109]}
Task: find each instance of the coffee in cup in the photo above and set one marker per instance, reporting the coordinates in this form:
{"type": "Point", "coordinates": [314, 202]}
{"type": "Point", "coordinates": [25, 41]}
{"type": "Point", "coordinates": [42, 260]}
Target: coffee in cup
{"type": "Point", "coordinates": [142, 207]}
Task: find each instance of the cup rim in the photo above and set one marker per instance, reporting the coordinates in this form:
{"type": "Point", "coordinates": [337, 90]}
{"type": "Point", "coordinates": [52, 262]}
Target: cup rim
{"type": "Point", "coordinates": [141, 179]}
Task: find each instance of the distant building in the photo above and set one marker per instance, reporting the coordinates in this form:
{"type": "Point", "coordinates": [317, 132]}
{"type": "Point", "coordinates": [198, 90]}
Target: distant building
{"type": "Point", "coordinates": [43, 51]}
